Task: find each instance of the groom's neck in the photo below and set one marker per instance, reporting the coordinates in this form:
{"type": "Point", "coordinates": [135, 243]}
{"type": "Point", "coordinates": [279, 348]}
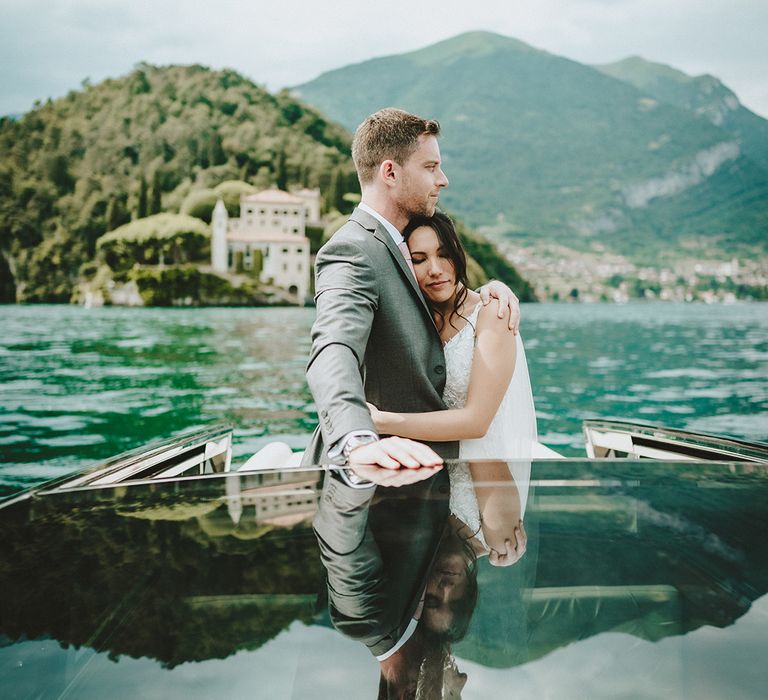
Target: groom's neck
{"type": "Point", "coordinates": [384, 205]}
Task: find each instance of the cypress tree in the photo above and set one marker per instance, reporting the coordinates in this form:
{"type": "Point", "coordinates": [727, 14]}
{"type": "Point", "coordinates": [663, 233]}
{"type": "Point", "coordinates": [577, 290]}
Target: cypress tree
{"type": "Point", "coordinates": [335, 190]}
{"type": "Point", "coordinates": [142, 208]}
{"type": "Point", "coordinates": [281, 175]}
{"type": "Point", "coordinates": [155, 201]}
{"type": "Point", "coordinates": [216, 154]}
{"type": "Point", "coordinates": [115, 213]}
{"type": "Point", "coordinates": [205, 150]}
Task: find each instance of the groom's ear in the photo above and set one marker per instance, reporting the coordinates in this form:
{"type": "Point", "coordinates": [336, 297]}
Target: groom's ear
{"type": "Point", "coordinates": [388, 172]}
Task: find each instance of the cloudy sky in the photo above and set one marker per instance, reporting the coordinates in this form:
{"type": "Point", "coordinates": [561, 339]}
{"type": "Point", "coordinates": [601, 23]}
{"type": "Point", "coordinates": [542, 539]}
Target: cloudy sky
{"type": "Point", "coordinates": [48, 48]}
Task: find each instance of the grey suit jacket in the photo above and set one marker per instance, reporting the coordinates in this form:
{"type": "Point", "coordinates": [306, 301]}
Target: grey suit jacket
{"type": "Point", "coordinates": [373, 339]}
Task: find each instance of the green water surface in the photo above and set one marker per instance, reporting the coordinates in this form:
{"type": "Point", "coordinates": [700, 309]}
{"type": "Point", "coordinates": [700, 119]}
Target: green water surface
{"type": "Point", "coordinates": [78, 385]}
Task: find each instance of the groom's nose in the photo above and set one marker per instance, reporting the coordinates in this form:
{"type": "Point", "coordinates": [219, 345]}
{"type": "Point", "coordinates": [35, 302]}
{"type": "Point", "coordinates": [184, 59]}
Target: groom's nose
{"type": "Point", "coordinates": [442, 180]}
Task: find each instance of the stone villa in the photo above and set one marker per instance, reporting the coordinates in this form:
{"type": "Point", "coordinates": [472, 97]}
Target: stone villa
{"type": "Point", "coordinates": [270, 232]}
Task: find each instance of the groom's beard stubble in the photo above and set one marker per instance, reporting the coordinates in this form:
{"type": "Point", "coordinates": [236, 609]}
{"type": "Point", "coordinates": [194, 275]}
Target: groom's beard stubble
{"type": "Point", "coordinates": [419, 206]}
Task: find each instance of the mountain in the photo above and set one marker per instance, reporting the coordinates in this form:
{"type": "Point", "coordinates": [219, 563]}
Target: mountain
{"type": "Point", "coordinates": [545, 148]}
{"type": "Point", "coordinates": [79, 166]}
{"type": "Point", "coordinates": [703, 95]}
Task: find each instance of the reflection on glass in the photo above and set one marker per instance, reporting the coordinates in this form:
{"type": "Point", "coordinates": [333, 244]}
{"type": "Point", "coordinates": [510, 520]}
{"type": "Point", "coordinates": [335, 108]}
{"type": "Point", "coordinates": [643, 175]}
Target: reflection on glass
{"type": "Point", "coordinates": [637, 578]}
{"type": "Point", "coordinates": [402, 566]}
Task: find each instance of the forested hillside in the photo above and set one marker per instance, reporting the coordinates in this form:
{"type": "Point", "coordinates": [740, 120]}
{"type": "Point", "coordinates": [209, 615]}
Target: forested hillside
{"type": "Point", "coordinates": [77, 167]}
{"type": "Point", "coordinates": [159, 140]}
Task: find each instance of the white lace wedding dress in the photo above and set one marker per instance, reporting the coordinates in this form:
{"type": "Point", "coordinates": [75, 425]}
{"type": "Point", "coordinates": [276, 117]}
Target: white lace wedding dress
{"type": "Point", "coordinates": [511, 435]}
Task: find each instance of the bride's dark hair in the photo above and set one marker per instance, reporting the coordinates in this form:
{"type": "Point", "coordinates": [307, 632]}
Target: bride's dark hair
{"type": "Point", "coordinates": [451, 245]}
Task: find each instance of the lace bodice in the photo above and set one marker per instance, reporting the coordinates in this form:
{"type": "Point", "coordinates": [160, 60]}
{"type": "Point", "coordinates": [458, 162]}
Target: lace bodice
{"type": "Point", "coordinates": [459, 351]}
{"type": "Point", "coordinates": [511, 434]}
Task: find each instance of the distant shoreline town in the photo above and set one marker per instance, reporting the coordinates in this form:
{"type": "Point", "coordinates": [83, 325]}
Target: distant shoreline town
{"type": "Point", "coordinates": [565, 275]}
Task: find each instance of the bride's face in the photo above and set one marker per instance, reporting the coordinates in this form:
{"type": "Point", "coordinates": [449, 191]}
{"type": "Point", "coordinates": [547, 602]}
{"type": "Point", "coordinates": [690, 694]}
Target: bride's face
{"type": "Point", "coordinates": [434, 270]}
{"type": "Point", "coordinates": [446, 586]}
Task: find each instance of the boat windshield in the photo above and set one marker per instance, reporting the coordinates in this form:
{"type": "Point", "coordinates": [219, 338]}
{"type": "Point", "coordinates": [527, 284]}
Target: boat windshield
{"type": "Point", "coordinates": [552, 578]}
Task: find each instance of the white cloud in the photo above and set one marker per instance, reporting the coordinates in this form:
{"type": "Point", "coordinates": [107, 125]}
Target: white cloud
{"type": "Point", "coordinates": [47, 48]}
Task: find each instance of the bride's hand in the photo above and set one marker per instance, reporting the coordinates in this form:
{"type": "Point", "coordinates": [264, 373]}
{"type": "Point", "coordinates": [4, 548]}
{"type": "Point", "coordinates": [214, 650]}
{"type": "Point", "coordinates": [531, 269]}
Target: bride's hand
{"type": "Point", "coordinates": [375, 415]}
{"type": "Point", "coordinates": [514, 549]}
{"type": "Point", "coordinates": [507, 300]}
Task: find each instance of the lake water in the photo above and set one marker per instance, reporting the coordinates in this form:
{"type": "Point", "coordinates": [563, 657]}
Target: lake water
{"type": "Point", "coordinates": [78, 385]}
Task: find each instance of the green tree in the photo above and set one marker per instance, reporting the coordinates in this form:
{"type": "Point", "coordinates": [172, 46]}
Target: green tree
{"type": "Point", "coordinates": [204, 153]}
{"type": "Point", "coordinates": [58, 173]}
{"type": "Point", "coordinates": [140, 84]}
{"type": "Point", "coordinates": [335, 192]}
{"type": "Point", "coordinates": [7, 283]}
{"type": "Point", "coordinates": [230, 192]}
{"type": "Point", "coordinates": [216, 154]}
{"type": "Point", "coordinates": [174, 238]}
{"type": "Point", "coordinates": [156, 193]}
{"type": "Point", "coordinates": [281, 172]}
{"type": "Point", "coordinates": [257, 263]}
{"type": "Point", "coordinates": [200, 204]}
{"type": "Point", "coordinates": [142, 208]}
{"type": "Point", "coordinates": [116, 213]}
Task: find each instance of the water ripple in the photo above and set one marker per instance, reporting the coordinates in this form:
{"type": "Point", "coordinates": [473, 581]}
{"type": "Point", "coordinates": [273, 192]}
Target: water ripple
{"type": "Point", "coordinates": [78, 385]}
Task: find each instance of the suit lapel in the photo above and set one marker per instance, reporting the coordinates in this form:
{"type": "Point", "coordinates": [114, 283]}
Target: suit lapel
{"type": "Point", "coordinates": [382, 235]}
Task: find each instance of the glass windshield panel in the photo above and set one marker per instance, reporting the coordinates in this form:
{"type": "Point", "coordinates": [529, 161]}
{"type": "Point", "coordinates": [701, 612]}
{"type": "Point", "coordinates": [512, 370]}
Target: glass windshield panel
{"type": "Point", "coordinates": [596, 579]}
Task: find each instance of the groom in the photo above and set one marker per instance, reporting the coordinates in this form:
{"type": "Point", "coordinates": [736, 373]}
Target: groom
{"type": "Point", "coordinates": [374, 338]}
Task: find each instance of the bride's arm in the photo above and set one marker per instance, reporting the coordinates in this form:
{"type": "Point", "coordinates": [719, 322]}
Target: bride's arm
{"type": "Point", "coordinates": [501, 518]}
{"type": "Point", "coordinates": [493, 363]}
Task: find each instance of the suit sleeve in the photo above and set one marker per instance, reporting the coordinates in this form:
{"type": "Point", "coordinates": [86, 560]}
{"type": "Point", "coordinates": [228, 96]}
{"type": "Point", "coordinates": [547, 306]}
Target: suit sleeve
{"type": "Point", "coordinates": [355, 575]}
{"type": "Point", "coordinates": [346, 300]}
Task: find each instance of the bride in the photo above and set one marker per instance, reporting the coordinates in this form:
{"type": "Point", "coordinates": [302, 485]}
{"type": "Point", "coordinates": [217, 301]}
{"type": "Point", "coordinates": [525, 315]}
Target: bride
{"type": "Point", "coordinates": [487, 390]}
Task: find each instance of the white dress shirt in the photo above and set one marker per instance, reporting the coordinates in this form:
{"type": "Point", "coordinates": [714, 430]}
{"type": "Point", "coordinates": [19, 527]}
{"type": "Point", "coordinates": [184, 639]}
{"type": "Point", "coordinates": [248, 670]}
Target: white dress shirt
{"type": "Point", "coordinates": [397, 237]}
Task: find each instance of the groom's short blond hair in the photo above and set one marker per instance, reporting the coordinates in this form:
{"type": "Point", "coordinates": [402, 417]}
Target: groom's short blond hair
{"type": "Point", "coordinates": [389, 134]}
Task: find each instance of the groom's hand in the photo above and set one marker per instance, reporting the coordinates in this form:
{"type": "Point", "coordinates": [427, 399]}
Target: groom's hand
{"type": "Point", "coordinates": [393, 453]}
{"type": "Point", "coordinates": [394, 477]}
{"type": "Point", "coordinates": [507, 300]}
